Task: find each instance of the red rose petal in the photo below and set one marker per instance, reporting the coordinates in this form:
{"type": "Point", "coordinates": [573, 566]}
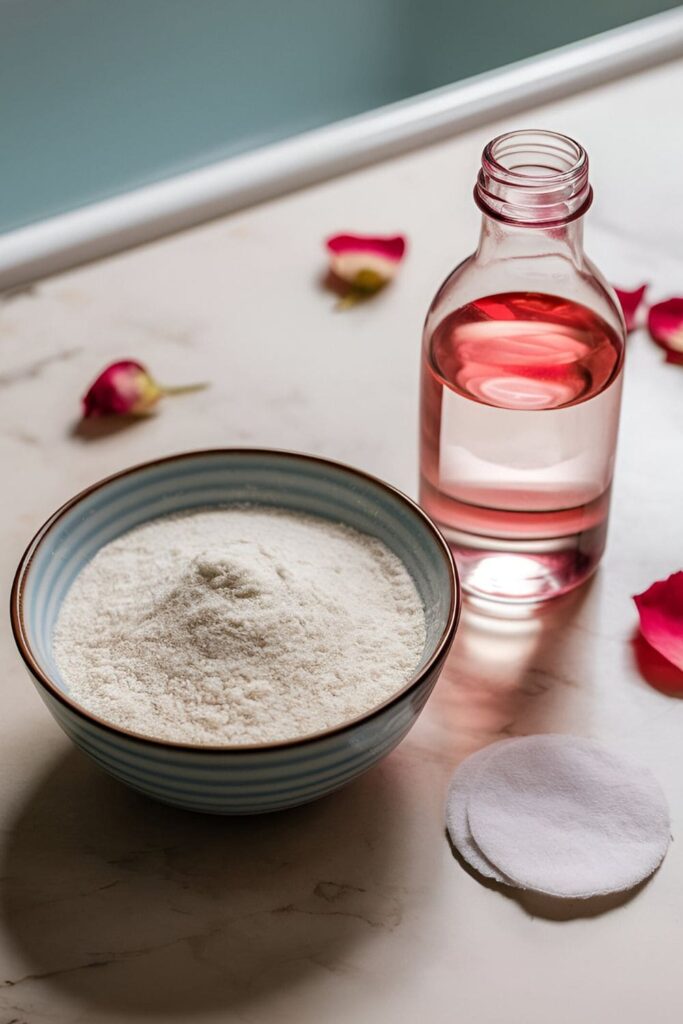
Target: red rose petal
{"type": "Point", "coordinates": [661, 617]}
{"type": "Point", "coordinates": [630, 303]}
{"type": "Point", "coordinates": [656, 669]}
{"type": "Point", "coordinates": [389, 248]}
{"type": "Point", "coordinates": [123, 388]}
{"type": "Point", "coordinates": [362, 265]}
{"type": "Point", "coordinates": [665, 324]}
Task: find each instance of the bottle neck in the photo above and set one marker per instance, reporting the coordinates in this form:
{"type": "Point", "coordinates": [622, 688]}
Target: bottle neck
{"type": "Point", "coordinates": [499, 240]}
{"type": "Point", "coordinates": [533, 190]}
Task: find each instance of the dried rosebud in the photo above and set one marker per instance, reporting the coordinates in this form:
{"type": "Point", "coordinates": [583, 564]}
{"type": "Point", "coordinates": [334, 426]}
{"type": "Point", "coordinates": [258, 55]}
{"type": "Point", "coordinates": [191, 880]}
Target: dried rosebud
{"type": "Point", "coordinates": [630, 304]}
{"type": "Point", "coordinates": [660, 608]}
{"type": "Point", "coordinates": [364, 264]}
{"type": "Point", "coordinates": [665, 324]}
{"type": "Point", "coordinates": [126, 388]}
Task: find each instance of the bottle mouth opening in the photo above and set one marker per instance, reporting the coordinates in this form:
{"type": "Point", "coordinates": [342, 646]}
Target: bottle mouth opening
{"type": "Point", "coordinates": [533, 177]}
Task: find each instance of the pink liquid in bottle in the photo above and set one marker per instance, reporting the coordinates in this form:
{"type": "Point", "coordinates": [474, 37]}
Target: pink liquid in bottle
{"type": "Point", "coordinates": [520, 408]}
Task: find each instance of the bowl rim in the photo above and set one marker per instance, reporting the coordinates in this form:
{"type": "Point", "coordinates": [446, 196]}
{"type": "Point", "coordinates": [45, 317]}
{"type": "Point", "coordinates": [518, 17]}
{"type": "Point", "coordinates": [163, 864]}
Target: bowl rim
{"type": "Point", "coordinates": [413, 683]}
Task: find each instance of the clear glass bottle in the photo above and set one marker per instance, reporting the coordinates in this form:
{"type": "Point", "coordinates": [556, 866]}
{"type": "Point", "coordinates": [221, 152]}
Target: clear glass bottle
{"type": "Point", "coordinates": [521, 381]}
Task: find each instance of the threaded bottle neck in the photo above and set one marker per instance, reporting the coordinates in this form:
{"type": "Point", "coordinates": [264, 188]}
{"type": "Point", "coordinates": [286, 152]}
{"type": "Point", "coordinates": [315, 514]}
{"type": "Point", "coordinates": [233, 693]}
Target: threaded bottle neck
{"type": "Point", "coordinates": [533, 179]}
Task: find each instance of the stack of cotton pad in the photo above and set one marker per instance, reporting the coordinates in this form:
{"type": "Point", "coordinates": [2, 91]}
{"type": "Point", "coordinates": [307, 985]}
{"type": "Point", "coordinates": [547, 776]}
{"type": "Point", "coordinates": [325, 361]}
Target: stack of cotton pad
{"type": "Point", "coordinates": [558, 815]}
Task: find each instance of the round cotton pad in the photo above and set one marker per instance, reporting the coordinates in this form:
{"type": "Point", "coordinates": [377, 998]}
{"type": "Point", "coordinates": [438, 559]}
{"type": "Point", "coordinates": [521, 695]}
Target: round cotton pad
{"type": "Point", "coordinates": [457, 800]}
{"type": "Point", "coordinates": [562, 816]}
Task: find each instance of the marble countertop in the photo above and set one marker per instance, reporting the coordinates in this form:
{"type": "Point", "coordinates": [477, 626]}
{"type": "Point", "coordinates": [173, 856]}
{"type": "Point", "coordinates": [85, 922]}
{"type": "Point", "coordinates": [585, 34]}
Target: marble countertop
{"type": "Point", "coordinates": [114, 908]}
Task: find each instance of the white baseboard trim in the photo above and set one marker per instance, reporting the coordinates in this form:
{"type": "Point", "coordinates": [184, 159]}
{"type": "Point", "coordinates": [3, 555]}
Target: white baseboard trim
{"type": "Point", "coordinates": [139, 216]}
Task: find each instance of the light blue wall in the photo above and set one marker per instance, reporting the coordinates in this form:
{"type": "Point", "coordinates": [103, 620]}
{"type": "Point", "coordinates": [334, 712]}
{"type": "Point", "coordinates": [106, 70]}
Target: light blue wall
{"type": "Point", "coordinates": [98, 96]}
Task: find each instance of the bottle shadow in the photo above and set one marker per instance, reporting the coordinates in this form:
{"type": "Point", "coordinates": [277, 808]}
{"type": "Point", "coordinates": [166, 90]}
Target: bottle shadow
{"type": "Point", "coordinates": [512, 673]}
{"type": "Point", "coordinates": [136, 907]}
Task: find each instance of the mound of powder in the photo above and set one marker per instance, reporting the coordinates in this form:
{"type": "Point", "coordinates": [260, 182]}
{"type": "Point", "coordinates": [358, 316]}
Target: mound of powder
{"type": "Point", "coordinates": [238, 625]}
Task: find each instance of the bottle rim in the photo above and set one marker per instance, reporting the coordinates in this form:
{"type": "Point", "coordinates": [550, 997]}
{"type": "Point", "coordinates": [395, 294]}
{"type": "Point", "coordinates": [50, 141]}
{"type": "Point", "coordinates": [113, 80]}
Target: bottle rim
{"type": "Point", "coordinates": [533, 178]}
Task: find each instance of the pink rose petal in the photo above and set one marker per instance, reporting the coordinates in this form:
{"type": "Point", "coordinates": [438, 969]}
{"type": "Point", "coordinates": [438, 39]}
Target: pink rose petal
{"type": "Point", "coordinates": [123, 388]}
{"type": "Point", "coordinates": [665, 324]}
{"type": "Point", "coordinates": [365, 264]}
{"type": "Point", "coordinates": [391, 248]}
{"type": "Point", "coordinates": [661, 617]}
{"type": "Point", "coordinates": [630, 303]}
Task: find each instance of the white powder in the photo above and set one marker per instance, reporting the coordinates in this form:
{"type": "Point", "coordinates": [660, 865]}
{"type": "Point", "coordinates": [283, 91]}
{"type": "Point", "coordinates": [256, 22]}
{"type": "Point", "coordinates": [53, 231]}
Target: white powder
{"type": "Point", "coordinates": [238, 625]}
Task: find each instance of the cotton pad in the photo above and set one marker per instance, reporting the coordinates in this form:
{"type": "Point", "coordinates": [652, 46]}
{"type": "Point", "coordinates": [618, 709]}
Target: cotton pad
{"type": "Point", "coordinates": [456, 812]}
{"type": "Point", "coordinates": [562, 816]}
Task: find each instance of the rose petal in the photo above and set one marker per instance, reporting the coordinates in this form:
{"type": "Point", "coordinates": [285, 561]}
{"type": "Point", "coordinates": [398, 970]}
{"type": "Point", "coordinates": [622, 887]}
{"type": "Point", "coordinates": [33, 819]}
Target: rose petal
{"type": "Point", "coordinates": [122, 389]}
{"type": "Point", "coordinates": [365, 262]}
{"type": "Point", "coordinates": [630, 303]}
{"type": "Point", "coordinates": [665, 324]}
{"type": "Point", "coordinates": [661, 617]}
{"type": "Point", "coordinates": [391, 248]}
{"type": "Point", "coordinates": [655, 668]}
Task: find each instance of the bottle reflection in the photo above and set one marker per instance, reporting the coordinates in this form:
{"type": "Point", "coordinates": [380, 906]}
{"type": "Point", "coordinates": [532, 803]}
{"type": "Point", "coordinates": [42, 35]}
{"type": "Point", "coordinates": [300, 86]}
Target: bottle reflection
{"type": "Point", "coordinates": [507, 675]}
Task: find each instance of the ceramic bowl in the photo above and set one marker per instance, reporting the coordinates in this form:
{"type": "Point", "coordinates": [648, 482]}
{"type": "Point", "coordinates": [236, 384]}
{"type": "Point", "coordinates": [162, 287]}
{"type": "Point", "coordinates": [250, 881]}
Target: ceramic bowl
{"type": "Point", "coordinates": [231, 779]}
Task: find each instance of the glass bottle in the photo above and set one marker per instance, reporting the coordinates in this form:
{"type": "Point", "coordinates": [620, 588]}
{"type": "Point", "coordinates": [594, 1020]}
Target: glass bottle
{"type": "Point", "coordinates": [521, 381]}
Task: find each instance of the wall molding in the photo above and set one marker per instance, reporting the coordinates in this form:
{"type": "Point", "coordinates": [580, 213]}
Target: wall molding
{"type": "Point", "coordinates": [133, 218]}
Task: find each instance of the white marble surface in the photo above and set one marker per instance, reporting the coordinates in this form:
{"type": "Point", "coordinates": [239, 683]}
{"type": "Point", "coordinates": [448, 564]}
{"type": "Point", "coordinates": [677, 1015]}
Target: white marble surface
{"type": "Point", "coordinates": [352, 909]}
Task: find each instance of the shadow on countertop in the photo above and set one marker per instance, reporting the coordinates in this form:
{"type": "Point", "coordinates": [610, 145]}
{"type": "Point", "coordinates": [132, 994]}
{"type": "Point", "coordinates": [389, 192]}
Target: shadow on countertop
{"type": "Point", "coordinates": [550, 908]}
{"type": "Point", "coordinates": [129, 906]}
{"type": "Point", "coordinates": [100, 427]}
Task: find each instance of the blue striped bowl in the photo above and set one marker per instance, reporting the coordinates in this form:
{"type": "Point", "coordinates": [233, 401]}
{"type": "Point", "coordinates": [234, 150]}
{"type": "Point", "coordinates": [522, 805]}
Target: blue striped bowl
{"type": "Point", "coordinates": [233, 779]}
